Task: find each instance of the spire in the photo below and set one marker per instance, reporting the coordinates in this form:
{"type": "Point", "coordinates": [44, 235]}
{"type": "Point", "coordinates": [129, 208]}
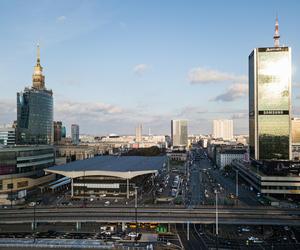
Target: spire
{"type": "Point", "coordinates": [38, 79]}
{"type": "Point", "coordinates": [38, 53]}
{"type": "Point", "coordinates": [276, 34]}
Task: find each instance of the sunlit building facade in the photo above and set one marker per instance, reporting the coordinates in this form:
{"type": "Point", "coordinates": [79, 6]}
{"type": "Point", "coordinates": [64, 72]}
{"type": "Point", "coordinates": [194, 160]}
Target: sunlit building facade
{"type": "Point", "coordinates": [270, 103]}
{"type": "Point", "coordinates": [179, 133]}
{"type": "Point", "coordinates": [223, 129]}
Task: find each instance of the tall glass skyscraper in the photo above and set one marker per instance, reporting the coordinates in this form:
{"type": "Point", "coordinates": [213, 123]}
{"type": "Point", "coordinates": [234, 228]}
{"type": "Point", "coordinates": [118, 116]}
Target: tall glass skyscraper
{"type": "Point", "coordinates": [270, 102]}
{"type": "Point", "coordinates": [75, 134]}
{"type": "Point", "coordinates": [35, 110]}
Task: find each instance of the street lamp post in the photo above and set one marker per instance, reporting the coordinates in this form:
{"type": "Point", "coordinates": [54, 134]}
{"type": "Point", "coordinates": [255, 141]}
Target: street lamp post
{"type": "Point", "coordinates": [237, 183]}
{"type": "Point", "coordinates": [217, 219]}
{"type": "Point", "coordinates": [34, 223]}
{"type": "Point", "coordinates": [135, 206]}
{"type": "Point", "coordinates": [11, 190]}
{"type": "Point", "coordinates": [84, 187]}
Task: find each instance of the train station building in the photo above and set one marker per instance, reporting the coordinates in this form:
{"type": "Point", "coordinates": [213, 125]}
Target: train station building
{"type": "Point", "coordinates": [110, 175]}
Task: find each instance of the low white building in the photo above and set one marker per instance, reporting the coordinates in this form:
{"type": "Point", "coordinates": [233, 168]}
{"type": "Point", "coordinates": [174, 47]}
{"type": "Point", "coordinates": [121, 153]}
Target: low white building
{"type": "Point", "coordinates": [226, 156]}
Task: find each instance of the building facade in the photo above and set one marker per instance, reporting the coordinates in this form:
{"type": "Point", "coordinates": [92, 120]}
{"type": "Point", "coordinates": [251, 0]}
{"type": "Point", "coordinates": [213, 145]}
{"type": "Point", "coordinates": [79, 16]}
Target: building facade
{"type": "Point", "coordinates": [270, 102]}
{"type": "Point", "coordinates": [7, 136]}
{"type": "Point", "coordinates": [223, 129]}
{"type": "Point", "coordinates": [225, 156]}
{"type": "Point", "coordinates": [35, 111]}
{"type": "Point", "coordinates": [296, 139]}
{"type": "Point", "coordinates": [75, 134]}
{"type": "Point", "coordinates": [138, 133]}
{"type": "Point", "coordinates": [22, 170]}
{"type": "Point", "coordinates": [268, 184]}
{"type": "Point", "coordinates": [179, 133]}
{"type": "Point", "coordinates": [57, 131]}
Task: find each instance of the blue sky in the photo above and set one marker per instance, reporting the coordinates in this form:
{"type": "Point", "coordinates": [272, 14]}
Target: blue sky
{"type": "Point", "coordinates": [114, 64]}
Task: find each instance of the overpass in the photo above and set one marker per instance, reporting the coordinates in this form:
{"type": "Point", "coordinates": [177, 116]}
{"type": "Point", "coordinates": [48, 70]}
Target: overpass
{"type": "Point", "coordinates": [201, 215]}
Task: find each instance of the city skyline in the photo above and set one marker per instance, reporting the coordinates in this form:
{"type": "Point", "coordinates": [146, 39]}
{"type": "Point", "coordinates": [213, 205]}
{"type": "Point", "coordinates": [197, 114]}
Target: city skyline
{"type": "Point", "coordinates": [97, 80]}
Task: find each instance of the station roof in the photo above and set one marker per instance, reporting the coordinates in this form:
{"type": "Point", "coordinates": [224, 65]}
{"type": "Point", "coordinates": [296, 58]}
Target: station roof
{"type": "Point", "coordinates": [125, 167]}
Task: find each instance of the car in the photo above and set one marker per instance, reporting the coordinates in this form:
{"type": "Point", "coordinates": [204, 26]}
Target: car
{"type": "Point", "coordinates": [132, 234]}
{"type": "Point", "coordinates": [32, 204]}
{"type": "Point", "coordinates": [232, 196]}
{"type": "Point", "coordinates": [252, 238]}
{"type": "Point", "coordinates": [107, 203]}
{"type": "Point", "coordinates": [245, 229]}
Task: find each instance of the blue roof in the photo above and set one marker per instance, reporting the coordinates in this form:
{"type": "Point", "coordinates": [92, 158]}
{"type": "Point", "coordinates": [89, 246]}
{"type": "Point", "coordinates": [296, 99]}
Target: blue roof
{"type": "Point", "coordinates": [114, 163]}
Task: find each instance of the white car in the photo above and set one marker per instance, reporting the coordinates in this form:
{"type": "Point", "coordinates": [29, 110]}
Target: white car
{"type": "Point", "coordinates": [32, 204]}
{"type": "Point", "coordinates": [107, 203]}
{"type": "Point", "coordinates": [132, 234]}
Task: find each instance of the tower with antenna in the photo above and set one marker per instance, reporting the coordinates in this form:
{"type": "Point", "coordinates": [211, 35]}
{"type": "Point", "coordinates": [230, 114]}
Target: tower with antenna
{"type": "Point", "coordinates": [276, 34]}
{"type": "Point", "coordinates": [270, 101]}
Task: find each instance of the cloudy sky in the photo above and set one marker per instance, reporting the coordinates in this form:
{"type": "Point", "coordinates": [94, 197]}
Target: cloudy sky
{"type": "Point", "coordinates": [114, 64]}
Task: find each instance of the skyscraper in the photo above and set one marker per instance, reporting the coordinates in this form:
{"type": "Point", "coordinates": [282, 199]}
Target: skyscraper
{"type": "Point", "coordinates": [35, 110]}
{"type": "Point", "coordinates": [179, 133]}
{"type": "Point", "coordinates": [57, 127]}
{"type": "Point", "coordinates": [296, 130]}
{"type": "Point", "coordinates": [270, 101]}
{"type": "Point", "coordinates": [138, 133]}
{"type": "Point", "coordinates": [223, 129]}
{"type": "Point", "coordinates": [75, 134]}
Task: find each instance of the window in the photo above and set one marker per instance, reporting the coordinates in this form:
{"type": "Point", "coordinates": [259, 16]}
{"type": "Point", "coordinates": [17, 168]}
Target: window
{"type": "Point", "coordinates": [22, 184]}
{"type": "Point", "coordinates": [10, 186]}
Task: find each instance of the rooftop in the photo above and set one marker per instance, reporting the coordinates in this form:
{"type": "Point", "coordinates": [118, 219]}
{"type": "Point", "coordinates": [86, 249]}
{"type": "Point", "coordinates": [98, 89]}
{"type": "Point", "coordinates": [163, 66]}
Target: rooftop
{"type": "Point", "coordinates": [113, 164]}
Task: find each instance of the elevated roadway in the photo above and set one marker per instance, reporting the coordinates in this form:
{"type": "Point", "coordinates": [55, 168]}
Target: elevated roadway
{"type": "Point", "coordinates": [201, 215]}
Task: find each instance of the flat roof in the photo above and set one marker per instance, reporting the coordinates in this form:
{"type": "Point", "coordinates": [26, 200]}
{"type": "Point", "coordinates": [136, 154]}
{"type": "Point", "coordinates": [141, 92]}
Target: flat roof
{"type": "Point", "coordinates": [119, 166]}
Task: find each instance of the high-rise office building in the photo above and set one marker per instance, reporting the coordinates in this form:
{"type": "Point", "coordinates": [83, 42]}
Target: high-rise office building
{"type": "Point", "coordinates": [223, 129]}
{"type": "Point", "coordinates": [270, 101]}
{"type": "Point", "coordinates": [63, 132]}
{"type": "Point", "coordinates": [35, 110]}
{"type": "Point", "coordinates": [138, 133]}
{"type": "Point", "coordinates": [179, 133]}
{"type": "Point", "coordinates": [75, 134]}
{"type": "Point", "coordinates": [57, 131]}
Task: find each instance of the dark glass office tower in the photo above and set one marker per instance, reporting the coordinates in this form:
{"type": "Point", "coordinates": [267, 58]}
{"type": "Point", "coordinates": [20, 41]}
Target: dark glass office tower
{"type": "Point", "coordinates": [270, 102]}
{"type": "Point", "coordinates": [35, 111]}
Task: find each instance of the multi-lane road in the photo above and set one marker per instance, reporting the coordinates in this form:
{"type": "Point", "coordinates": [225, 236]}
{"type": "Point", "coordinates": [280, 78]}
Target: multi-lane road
{"type": "Point", "coordinates": [200, 215]}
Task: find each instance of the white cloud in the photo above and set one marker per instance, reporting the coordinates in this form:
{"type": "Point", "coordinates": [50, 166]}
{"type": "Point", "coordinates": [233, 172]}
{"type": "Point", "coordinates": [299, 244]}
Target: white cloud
{"type": "Point", "coordinates": [61, 19]}
{"type": "Point", "coordinates": [140, 69]}
{"type": "Point", "coordinates": [8, 111]}
{"type": "Point", "coordinates": [206, 76]}
{"type": "Point", "coordinates": [235, 91]}
{"type": "Point", "coordinates": [86, 109]}
{"type": "Point", "coordinates": [237, 116]}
